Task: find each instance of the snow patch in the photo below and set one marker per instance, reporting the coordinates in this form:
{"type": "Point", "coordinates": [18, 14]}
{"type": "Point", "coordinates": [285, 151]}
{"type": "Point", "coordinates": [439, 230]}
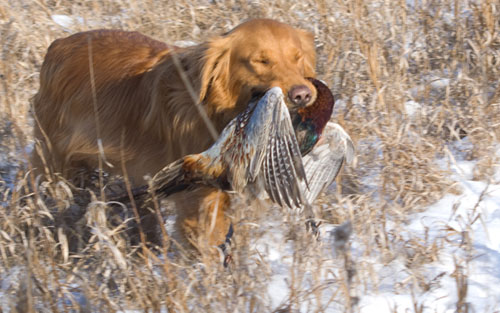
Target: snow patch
{"type": "Point", "coordinates": [66, 21]}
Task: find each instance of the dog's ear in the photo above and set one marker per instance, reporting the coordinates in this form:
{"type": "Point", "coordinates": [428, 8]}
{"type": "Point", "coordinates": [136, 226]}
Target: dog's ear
{"type": "Point", "coordinates": [308, 48]}
{"type": "Point", "coordinates": [215, 67]}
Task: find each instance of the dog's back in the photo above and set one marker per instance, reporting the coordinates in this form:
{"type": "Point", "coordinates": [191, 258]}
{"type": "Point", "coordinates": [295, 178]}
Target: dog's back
{"type": "Point", "coordinates": [92, 82]}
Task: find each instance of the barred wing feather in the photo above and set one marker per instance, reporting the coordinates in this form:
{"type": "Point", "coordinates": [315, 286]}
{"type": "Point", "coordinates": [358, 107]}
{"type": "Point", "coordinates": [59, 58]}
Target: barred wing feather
{"type": "Point", "coordinates": [260, 143]}
{"type": "Point", "coordinates": [283, 168]}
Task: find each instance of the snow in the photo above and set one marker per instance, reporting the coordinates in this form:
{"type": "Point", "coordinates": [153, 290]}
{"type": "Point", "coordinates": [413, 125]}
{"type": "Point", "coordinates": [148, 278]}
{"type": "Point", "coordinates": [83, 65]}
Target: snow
{"type": "Point", "coordinates": [447, 221]}
{"type": "Point", "coordinates": [472, 215]}
{"type": "Point", "coordinates": [484, 268]}
{"type": "Point", "coordinates": [75, 23]}
{"type": "Point", "coordinates": [412, 107]}
{"type": "Point", "coordinates": [185, 43]}
{"type": "Point", "coordinates": [65, 21]}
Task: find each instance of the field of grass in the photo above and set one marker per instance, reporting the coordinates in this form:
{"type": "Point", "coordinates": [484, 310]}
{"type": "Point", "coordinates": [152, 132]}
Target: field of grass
{"type": "Point", "coordinates": [417, 85]}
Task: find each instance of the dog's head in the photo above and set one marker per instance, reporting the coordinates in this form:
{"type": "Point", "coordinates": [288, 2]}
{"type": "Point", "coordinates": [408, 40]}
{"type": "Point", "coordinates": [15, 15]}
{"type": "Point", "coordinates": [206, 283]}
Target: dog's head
{"type": "Point", "coordinates": [255, 56]}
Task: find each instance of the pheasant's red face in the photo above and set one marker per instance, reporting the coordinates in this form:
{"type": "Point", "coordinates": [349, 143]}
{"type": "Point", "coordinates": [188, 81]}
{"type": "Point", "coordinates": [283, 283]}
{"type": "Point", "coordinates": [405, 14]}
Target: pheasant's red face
{"type": "Point", "coordinates": [269, 54]}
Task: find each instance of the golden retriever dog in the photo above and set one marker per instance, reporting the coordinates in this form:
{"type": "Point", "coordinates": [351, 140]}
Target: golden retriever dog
{"type": "Point", "coordinates": [121, 96]}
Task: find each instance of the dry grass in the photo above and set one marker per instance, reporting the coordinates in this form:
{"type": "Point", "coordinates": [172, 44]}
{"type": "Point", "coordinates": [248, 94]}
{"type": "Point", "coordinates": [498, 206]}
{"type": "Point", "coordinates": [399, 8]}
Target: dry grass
{"type": "Point", "coordinates": [378, 57]}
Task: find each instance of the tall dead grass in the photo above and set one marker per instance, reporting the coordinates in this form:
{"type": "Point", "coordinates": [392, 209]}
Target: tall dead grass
{"type": "Point", "coordinates": [411, 78]}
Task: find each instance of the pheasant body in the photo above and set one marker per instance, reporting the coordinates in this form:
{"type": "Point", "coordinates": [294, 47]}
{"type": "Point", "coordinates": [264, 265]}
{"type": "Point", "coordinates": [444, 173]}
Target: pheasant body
{"type": "Point", "coordinates": [261, 146]}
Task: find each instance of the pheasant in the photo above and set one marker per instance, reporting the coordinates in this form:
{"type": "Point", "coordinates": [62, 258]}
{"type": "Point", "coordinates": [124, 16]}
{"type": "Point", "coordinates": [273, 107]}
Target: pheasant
{"type": "Point", "coordinates": [258, 145]}
{"type": "Point", "coordinates": [262, 147]}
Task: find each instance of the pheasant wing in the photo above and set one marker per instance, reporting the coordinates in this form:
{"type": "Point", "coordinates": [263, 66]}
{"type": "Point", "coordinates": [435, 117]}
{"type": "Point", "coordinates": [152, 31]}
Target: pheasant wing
{"type": "Point", "coordinates": [283, 170]}
{"type": "Point", "coordinates": [259, 143]}
{"type": "Point", "coordinates": [323, 163]}
{"type": "Point", "coordinates": [264, 147]}
{"type": "Point", "coordinates": [244, 140]}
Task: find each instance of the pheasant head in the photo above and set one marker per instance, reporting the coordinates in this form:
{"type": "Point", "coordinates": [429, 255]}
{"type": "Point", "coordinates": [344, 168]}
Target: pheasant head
{"type": "Point", "coordinates": [309, 122]}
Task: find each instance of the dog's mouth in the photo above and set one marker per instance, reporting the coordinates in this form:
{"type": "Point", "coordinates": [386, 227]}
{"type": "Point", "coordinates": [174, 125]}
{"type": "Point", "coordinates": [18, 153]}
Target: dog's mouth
{"type": "Point", "coordinates": [257, 93]}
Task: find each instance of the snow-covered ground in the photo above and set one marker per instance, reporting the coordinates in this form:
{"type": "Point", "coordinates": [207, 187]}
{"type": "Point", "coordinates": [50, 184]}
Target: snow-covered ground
{"type": "Point", "coordinates": [472, 216]}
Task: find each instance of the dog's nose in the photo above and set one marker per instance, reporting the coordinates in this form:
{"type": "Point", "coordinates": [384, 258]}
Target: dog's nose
{"type": "Point", "coordinates": [300, 95]}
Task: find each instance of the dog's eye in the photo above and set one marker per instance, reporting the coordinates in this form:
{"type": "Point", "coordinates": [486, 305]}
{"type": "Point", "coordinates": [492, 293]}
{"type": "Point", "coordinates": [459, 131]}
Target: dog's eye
{"type": "Point", "coordinates": [261, 61]}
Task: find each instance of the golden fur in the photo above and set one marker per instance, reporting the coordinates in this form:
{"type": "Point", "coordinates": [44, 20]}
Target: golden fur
{"type": "Point", "coordinates": [141, 110]}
